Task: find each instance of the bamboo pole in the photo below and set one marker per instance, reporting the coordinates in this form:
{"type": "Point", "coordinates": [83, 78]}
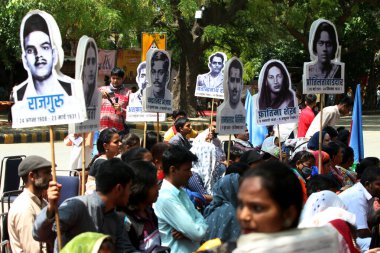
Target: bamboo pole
{"type": "Point", "coordinates": [320, 136]}
{"type": "Point", "coordinates": [158, 128]}
{"type": "Point", "coordinates": [279, 141]}
{"type": "Point", "coordinates": [83, 162]}
{"type": "Point", "coordinates": [54, 174]}
{"type": "Point", "coordinates": [228, 150]}
{"type": "Point", "coordinates": [144, 138]}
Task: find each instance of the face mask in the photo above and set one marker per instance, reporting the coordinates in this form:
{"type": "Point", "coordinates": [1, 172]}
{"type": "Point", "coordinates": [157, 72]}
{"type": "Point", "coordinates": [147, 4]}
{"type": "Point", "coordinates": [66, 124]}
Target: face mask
{"type": "Point", "coordinates": [306, 171]}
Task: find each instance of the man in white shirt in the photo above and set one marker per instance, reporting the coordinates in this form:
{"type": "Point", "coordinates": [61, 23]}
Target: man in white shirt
{"type": "Point", "coordinates": [331, 114]}
{"type": "Point", "coordinates": [357, 200]}
{"type": "Point", "coordinates": [35, 171]}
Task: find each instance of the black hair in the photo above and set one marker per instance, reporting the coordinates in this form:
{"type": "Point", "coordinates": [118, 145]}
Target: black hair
{"type": "Point", "coordinates": [35, 23]}
{"type": "Point", "coordinates": [130, 140]}
{"type": "Point", "coordinates": [332, 148]}
{"type": "Point", "coordinates": [151, 139]}
{"type": "Point", "coordinates": [239, 168]}
{"type": "Point", "coordinates": [117, 72]}
{"type": "Point", "coordinates": [145, 178]}
{"type": "Point", "coordinates": [347, 154]}
{"type": "Point", "coordinates": [237, 65]}
{"type": "Point", "coordinates": [370, 174]}
{"type": "Point", "coordinates": [331, 131]}
{"type": "Point", "coordinates": [310, 98]}
{"type": "Point", "coordinates": [265, 99]}
{"type": "Point", "coordinates": [180, 123]}
{"type": "Point", "coordinates": [175, 156]}
{"type": "Point", "coordinates": [319, 183]}
{"type": "Point", "coordinates": [235, 153]}
{"type": "Point", "coordinates": [217, 55]}
{"type": "Point", "coordinates": [346, 100]}
{"type": "Point", "coordinates": [158, 149]}
{"type": "Point", "coordinates": [325, 27]}
{"type": "Point", "coordinates": [366, 162]}
{"type": "Point", "coordinates": [134, 154]}
{"type": "Point", "coordinates": [140, 67]}
{"type": "Point", "coordinates": [160, 56]}
{"type": "Point", "coordinates": [105, 136]}
{"type": "Point", "coordinates": [301, 156]}
{"type": "Point", "coordinates": [281, 183]}
{"type": "Point", "coordinates": [344, 136]}
{"type": "Point", "coordinates": [111, 173]}
{"type": "Point", "coordinates": [177, 113]}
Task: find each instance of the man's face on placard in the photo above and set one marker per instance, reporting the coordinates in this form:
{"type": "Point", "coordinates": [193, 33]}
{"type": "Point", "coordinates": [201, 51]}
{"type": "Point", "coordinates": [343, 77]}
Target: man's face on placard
{"type": "Point", "coordinates": [89, 70]}
{"type": "Point", "coordinates": [159, 76]}
{"type": "Point", "coordinates": [142, 81]}
{"type": "Point", "coordinates": [216, 64]}
{"type": "Point", "coordinates": [39, 55]}
{"type": "Point", "coordinates": [234, 86]}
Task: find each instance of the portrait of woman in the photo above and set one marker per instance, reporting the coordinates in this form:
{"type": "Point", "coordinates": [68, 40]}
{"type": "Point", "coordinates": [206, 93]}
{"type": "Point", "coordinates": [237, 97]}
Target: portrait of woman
{"type": "Point", "coordinates": [90, 72]}
{"type": "Point", "coordinates": [275, 87]}
{"type": "Point", "coordinates": [325, 46]}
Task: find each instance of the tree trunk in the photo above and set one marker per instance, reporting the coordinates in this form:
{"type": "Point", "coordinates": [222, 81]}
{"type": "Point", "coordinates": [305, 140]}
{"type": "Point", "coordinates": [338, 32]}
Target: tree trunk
{"type": "Point", "coordinates": [373, 79]}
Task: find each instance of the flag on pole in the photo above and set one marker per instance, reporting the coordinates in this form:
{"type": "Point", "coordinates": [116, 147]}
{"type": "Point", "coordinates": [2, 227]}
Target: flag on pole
{"type": "Point", "coordinates": [356, 138]}
{"type": "Point", "coordinates": [256, 133]}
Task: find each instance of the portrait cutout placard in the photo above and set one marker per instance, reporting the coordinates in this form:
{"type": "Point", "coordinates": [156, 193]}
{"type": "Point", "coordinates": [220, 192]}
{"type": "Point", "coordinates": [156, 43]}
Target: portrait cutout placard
{"type": "Point", "coordinates": [276, 102]}
{"type": "Point", "coordinates": [157, 97]}
{"type": "Point", "coordinates": [211, 85]}
{"type": "Point", "coordinates": [325, 73]}
{"type": "Point", "coordinates": [47, 97]}
{"type": "Point", "coordinates": [135, 109]}
{"type": "Point", "coordinates": [86, 69]}
{"type": "Point", "coordinates": [230, 117]}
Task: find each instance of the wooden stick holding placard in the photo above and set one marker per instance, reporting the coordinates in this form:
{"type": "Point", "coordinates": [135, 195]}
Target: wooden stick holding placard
{"type": "Point", "coordinates": [228, 150]}
{"type": "Point", "coordinates": [158, 128]}
{"type": "Point", "coordinates": [320, 137]}
{"type": "Point", "coordinates": [279, 141]}
{"type": "Point", "coordinates": [144, 137]}
{"type": "Point", "coordinates": [83, 162]}
{"type": "Point", "coordinates": [53, 172]}
{"type": "Point", "coordinates": [212, 111]}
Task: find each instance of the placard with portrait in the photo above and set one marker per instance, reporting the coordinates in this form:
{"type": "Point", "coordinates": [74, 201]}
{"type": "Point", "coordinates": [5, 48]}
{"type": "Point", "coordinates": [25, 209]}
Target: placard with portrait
{"type": "Point", "coordinates": [276, 102]}
{"type": "Point", "coordinates": [325, 73]}
{"type": "Point", "coordinates": [158, 97]}
{"type": "Point", "coordinates": [210, 84]}
{"type": "Point", "coordinates": [47, 97]}
{"type": "Point", "coordinates": [231, 114]}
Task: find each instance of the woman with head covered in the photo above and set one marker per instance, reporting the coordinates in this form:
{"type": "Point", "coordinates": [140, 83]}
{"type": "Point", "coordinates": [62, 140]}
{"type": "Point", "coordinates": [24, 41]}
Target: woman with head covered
{"type": "Point", "coordinates": [275, 91]}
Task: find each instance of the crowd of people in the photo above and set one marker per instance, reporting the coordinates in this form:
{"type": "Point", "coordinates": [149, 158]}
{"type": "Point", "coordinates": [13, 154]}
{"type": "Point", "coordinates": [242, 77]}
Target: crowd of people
{"type": "Point", "coordinates": [180, 193]}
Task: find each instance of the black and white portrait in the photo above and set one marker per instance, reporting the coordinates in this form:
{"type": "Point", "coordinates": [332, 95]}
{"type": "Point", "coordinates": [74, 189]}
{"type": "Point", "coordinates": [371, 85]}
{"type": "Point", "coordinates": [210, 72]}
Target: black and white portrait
{"type": "Point", "coordinates": [157, 97]}
{"type": "Point", "coordinates": [230, 117]}
{"type": "Point", "coordinates": [135, 99]}
{"type": "Point", "coordinates": [90, 74]}
{"type": "Point", "coordinates": [275, 87]}
{"type": "Point", "coordinates": [211, 84]}
{"type": "Point", "coordinates": [276, 102]}
{"type": "Point", "coordinates": [325, 73]}
{"type": "Point", "coordinates": [46, 90]}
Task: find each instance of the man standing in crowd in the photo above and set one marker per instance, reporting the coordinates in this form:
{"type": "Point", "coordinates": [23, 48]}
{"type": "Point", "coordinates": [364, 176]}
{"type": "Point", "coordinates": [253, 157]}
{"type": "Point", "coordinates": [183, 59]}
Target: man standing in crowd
{"type": "Point", "coordinates": [35, 172]}
{"type": "Point", "coordinates": [114, 102]}
{"type": "Point", "coordinates": [181, 226]}
{"type": "Point", "coordinates": [90, 213]}
{"type": "Point", "coordinates": [357, 200]}
{"type": "Point", "coordinates": [183, 128]}
{"type": "Point", "coordinates": [331, 114]}
{"type": "Point", "coordinates": [40, 55]}
{"type": "Point", "coordinates": [214, 78]}
{"type": "Point", "coordinates": [306, 115]}
{"type": "Point", "coordinates": [172, 131]}
{"type": "Point", "coordinates": [242, 141]}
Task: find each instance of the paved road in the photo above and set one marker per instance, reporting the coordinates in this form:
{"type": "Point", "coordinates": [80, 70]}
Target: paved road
{"type": "Point", "coordinates": [371, 125]}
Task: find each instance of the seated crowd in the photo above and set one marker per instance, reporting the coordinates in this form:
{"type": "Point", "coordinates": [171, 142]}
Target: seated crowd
{"type": "Point", "coordinates": [181, 195]}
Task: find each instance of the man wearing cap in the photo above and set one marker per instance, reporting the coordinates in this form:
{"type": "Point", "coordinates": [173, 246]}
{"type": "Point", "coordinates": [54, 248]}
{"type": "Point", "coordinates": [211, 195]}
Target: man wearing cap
{"type": "Point", "coordinates": [35, 172]}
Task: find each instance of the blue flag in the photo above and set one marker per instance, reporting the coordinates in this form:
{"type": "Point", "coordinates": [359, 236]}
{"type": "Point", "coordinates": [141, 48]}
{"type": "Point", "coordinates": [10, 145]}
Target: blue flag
{"type": "Point", "coordinates": [256, 133]}
{"type": "Point", "coordinates": [356, 139]}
